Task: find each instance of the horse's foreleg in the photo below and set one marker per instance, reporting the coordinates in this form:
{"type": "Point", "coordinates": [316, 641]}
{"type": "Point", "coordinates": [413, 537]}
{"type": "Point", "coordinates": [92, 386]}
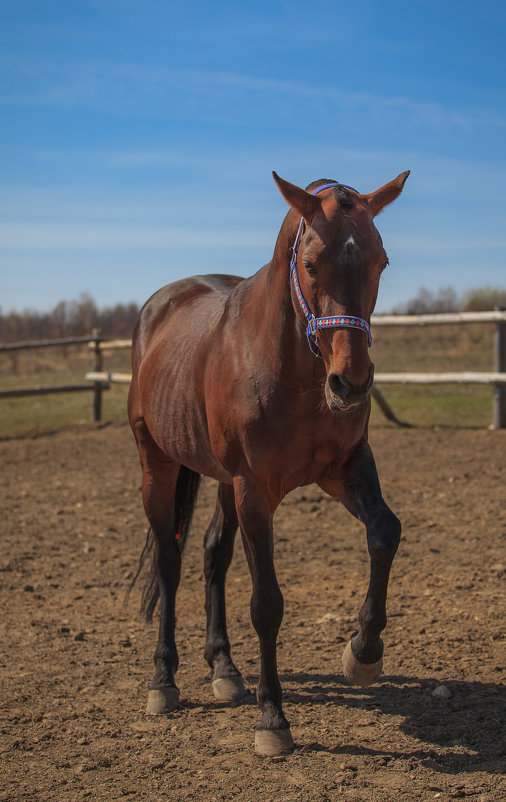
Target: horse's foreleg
{"type": "Point", "coordinates": [361, 493]}
{"type": "Point", "coordinates": [272, 735]}
{"type": "Point", "coordinates": [227, 682]}
{"type": "Point", "coordinates": [159, 477]}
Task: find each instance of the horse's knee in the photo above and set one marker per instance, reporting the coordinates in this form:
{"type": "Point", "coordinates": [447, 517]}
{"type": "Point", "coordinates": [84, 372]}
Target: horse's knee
{"type": "Point", "coordinates": [267, 611]}
{"type": "Point", "coordinates": [383, 535]}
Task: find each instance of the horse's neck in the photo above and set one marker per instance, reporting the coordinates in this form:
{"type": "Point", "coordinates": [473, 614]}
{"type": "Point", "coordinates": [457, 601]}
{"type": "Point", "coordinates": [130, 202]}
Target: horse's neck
{"type": "Point", "coordinates": [278, 327]}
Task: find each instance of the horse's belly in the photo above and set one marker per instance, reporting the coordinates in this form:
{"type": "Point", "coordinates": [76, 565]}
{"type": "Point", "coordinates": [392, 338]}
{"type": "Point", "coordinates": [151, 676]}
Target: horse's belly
{"type": "Point", "coordinates": [187, 442]}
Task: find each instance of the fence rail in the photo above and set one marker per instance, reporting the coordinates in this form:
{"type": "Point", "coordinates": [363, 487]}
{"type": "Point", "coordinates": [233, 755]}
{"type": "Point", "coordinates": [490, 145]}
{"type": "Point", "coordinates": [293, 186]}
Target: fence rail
{"type": "Point", "coordinates": [441, 318]}
{"type": "Point", "coordinates": [19, 392]}
{"type": "Point", "coordinates": [93, 340]}
{"type": "Point", "coordinates": [110, 378]}
{"type": "Point", "coordinates": [99, 380]}
{"type": "Point", "coordinates": [113, 345]}
{"type": "Point", "coordinates": [466, 377]}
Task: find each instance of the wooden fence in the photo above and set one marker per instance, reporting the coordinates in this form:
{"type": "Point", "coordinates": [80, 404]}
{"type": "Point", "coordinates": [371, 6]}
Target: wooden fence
{"type": "Point", "coordinates": [97, 387]}
{"type": "Point", "coordinates": [497, 378]}
{"type": "Point", "coordinates": [99, 380]}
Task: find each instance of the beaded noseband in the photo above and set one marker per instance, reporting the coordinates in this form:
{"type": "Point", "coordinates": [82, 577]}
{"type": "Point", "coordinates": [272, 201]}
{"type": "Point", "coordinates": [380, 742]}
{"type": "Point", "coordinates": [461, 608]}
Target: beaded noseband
{"type": "Point", "coordinates": [316, 323]}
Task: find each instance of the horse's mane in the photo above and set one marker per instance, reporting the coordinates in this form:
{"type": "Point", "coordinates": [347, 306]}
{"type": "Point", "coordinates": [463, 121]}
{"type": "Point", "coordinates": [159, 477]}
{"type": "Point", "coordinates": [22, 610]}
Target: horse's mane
{"type": "Point", "coordinates": [344, 197]}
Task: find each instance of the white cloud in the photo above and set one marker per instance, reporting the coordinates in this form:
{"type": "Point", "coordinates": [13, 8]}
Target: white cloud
{"type": "Point", "coordinates": [124, 85]}
{"type": "Point", "coordinates": [33, 235]}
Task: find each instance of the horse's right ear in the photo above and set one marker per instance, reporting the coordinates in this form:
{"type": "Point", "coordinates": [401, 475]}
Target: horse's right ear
{"type": "Point", "coordinates": [305, 203]}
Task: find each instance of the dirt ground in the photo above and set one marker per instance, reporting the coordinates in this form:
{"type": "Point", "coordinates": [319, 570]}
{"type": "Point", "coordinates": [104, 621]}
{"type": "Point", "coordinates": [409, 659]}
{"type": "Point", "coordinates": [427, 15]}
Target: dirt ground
{"type": "Point", "coordinates": [75, 662]}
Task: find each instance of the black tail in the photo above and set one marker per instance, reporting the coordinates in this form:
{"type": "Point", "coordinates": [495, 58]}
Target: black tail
{"type": "Point", "coordinates": [187, 486]}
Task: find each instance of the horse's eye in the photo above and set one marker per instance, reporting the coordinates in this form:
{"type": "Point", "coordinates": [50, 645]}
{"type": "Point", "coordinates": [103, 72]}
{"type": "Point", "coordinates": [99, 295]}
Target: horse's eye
{"type": "Point", "coordinates": [311, 269]}
{"type": "Point", "coordinates": [385, 264]}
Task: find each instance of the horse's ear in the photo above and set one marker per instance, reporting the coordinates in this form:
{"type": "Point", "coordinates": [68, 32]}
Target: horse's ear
{"type": "Point", "coordinates": [305, 203]}
{"type": "Point", "coordinates": [386, 194]}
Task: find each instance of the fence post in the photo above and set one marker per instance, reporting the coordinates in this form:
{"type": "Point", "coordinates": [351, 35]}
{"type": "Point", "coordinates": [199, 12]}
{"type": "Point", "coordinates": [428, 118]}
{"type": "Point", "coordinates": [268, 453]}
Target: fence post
{"type": "Point", "coordinates": [97, 367]}
{"type": "Point", "coordinates": [499, 420]}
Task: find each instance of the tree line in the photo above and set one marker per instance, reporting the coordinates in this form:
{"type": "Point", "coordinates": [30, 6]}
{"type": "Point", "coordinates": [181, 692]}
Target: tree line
{"type": "Point", "coordinates": [480, 299]}
{"type": "Point", "coordinates": [69, 319]}
{"type": "Point", "coordinates": [78, 318]}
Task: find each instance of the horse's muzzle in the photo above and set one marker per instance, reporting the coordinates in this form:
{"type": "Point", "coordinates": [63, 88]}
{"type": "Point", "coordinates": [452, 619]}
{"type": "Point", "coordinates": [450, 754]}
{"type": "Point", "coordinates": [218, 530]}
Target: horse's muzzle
{"type": "Point", "coordinates": [343, 396]}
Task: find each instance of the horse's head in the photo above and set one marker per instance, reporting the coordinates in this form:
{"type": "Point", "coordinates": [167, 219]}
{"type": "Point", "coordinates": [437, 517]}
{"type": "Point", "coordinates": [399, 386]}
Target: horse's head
{"type": "Point", "coordinates": [339, 260]}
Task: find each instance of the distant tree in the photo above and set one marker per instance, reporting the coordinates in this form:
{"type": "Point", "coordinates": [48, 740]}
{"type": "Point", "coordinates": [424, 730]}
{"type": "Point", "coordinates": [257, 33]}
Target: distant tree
{"type": "Point", "coordinates": [483, 299]}
{"type": "Point", "coordinates": [84, 315]}
{"type": "Point", "coordinates": [60, 318]}
{"type": "Point", "coordinates": [446, 300]}
{"type": "Point", "coordinates": [69, 319]}
{"type": "Point", "coordinates": [118, 320]}
{"type": "Point", "coordinates": [427, 302]}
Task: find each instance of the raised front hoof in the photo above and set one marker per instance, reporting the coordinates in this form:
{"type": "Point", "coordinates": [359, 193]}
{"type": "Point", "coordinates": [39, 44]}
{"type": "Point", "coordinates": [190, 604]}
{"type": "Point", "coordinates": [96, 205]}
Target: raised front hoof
{"type": "Point", "coordinates": [358, 673]}
{"type": "Point", "coordinates": [273, 743]}
{"type": "Point", "coordinates": [229, 690]}
{"type": "Point", "coordinates": [162, 700]}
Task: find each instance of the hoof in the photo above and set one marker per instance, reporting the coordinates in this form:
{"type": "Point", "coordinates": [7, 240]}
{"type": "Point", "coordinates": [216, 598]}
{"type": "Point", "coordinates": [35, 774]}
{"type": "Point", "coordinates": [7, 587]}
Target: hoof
{"type": "Point", "coordinates": [271, 743]}
{"type": "Point", "coordinates": [360, 673]}
{"type": "Point", "coordinates": [229, 689]}
{"type": "Point", "coordinates": [163, 700]}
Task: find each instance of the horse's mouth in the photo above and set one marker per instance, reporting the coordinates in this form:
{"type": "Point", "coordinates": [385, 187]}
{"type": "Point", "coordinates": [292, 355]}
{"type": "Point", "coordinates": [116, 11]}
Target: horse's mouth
{"type": "Point", "coordinates": [337, 405]}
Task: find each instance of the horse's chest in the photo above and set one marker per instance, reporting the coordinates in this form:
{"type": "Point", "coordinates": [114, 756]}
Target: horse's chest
{"type": "Point", "coordinates": [297, 452]}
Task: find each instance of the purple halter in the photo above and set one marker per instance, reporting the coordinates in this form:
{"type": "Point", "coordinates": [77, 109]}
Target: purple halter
{"type": "Point", "coordinates": [315, 323]}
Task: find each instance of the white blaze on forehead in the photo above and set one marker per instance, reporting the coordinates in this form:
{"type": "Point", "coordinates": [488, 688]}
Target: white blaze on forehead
{"type": "Point", "coordinates": [350, 243]}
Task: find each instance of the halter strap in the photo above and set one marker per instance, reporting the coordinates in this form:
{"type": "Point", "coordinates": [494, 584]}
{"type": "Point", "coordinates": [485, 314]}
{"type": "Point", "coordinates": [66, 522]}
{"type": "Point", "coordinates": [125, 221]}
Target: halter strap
{"type": "Point", "coordinates": [315, 323]}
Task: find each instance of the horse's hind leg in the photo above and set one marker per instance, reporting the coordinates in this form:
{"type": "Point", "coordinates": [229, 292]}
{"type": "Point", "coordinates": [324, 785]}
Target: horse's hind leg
{"type": "Point", "coordinates": [227, 682]}
{"type": "Point", "coordinates": [159, 479]}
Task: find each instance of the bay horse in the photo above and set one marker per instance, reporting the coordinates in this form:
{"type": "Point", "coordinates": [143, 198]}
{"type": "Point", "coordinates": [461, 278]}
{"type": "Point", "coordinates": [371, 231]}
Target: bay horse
{"type": "Point", "coordinates": [225, 385]}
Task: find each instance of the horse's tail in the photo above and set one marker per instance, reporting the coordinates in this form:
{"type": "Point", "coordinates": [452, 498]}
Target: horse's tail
{"type": "Point", "coordinates": [187, 486]}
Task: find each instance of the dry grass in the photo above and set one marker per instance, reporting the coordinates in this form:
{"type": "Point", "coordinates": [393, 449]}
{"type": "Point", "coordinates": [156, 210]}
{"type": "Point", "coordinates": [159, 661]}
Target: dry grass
{"type": "Point", "coordinates": [449, 348]}
{"type": "Point", "coordinates": [455, 347]}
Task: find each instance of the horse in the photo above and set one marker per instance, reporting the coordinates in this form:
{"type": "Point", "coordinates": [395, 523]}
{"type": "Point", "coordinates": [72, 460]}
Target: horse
{"type": "Point", "coordinates": [225, 385]}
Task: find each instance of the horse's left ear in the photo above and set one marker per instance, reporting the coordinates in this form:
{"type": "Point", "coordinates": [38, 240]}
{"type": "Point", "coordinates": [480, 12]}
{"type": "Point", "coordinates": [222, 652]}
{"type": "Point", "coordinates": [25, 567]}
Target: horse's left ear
{"type": "Point", "coordinates": [305, 203]}
{"type": "Point", "coordinates": [386, 194]}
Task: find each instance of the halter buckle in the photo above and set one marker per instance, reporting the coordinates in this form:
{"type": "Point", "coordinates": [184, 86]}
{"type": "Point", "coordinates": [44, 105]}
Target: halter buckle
{"type": "Point", "coordinates": [311, 335]}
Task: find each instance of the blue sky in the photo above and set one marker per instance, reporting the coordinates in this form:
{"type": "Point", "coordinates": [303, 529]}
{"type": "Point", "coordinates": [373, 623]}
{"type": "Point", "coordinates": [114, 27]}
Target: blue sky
{"type": "Point", "coordinates": [137, 138]}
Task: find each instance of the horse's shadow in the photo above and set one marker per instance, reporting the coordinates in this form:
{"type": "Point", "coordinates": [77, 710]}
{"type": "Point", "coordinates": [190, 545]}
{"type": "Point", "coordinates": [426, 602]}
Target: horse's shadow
{"type": "Point", "coordinates": [471, 718]}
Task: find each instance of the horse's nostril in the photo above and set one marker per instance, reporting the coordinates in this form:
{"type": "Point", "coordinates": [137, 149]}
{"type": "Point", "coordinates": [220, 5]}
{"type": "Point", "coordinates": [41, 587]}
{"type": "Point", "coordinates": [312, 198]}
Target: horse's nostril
{"type": "Point", "coordinates": [341, 387]}
{"type": "Point", "coordinates": [337, 384]}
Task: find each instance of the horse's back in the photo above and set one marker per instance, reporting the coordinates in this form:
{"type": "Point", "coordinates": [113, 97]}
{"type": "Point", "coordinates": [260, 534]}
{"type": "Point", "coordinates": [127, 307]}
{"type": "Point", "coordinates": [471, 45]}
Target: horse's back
{"type": "Point", "coordinates": [190, 298]}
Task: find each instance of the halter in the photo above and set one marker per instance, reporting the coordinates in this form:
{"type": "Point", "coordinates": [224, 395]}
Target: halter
{"type": "Point", "coordinates": [315, 323]}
